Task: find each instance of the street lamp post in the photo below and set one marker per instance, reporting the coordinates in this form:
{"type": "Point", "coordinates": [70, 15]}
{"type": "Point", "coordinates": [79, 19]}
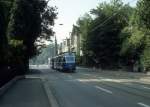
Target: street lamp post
{"type": "Point", "coordinates": [55, 44]}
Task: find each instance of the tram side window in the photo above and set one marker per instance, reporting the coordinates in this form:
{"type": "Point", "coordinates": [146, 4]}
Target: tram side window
{"type": "Point", "coordinates": [63, 60]}
{"type": "Point", "coordinates": [59, 60]}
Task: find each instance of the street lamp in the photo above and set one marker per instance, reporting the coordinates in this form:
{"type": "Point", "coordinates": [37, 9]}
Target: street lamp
{"type": "Point", "coordinates": [61, 24]}
{"type": "Point", "coordinates": [56, 45]}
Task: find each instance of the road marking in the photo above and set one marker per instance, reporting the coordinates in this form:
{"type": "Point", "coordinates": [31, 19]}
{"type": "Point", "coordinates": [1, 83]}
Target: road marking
{"type": "Point", "coordinates": [103, 89]}
{"type": "Point", "coordinates": [87, 74]}
{"type": "Point", "coordinates": [146, 87]}
{"type": "Point", "coordinates": [143, 105]}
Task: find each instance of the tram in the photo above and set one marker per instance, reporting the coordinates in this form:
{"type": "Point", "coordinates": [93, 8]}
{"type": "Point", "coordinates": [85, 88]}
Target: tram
{"type": "Point", "coordinates": [64, 62]}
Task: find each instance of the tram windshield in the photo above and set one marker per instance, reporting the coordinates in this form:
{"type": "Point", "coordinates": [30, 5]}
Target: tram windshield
{"type": "Point", "coordinates": [70, 59]}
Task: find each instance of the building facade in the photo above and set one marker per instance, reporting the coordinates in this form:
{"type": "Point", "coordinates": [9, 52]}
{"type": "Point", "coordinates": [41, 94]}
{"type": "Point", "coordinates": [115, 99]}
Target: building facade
{"type": "Point", "coordinates": [64, 46]}
{"type": "Point", "coordinates": [71, 44]}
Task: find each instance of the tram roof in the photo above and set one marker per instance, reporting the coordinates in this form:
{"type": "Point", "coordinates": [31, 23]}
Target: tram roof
{"type": "Point", "coordinates": [64, 53]}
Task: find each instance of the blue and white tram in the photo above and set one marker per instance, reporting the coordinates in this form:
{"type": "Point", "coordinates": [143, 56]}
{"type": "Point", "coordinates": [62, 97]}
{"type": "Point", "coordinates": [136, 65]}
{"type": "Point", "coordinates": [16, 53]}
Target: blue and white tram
{"type": "Point", "coordinates": [64, 62]}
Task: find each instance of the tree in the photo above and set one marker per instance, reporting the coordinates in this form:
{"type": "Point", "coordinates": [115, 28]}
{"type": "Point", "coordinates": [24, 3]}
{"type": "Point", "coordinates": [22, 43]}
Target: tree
{"type": "Point", "coordinates": [143, 12]}
{"type": "Point", "coordinates": [103, 41]}
{"type": "Point", "coordinates": [5, 7]}
{"type": "Point", "coordinates": [135, 47]}
{"type": "Point", "coordinates": [5, 73]}
{"type": "Point", "coordinates": [30, 20]}
{"type": "Point", "coordinates": [132, 46]}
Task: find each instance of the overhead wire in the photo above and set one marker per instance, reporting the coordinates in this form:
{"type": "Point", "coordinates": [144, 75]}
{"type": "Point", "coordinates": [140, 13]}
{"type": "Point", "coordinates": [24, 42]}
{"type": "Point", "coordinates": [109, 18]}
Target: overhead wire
{"type": "Point", "coordinates": [105, 21]}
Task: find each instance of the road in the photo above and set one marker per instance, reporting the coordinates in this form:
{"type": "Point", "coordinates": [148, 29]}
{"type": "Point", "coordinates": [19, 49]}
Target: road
{"type": "Point", "coordinates": [93, 89]}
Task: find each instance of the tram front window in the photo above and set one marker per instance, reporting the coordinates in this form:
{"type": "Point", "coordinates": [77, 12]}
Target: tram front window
{"type": "Point", "coordinates": [70, 59]}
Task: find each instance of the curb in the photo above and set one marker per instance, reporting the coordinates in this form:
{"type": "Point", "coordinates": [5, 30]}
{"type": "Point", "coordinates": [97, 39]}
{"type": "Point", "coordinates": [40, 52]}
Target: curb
{"type": "Point", "coordinates": [4, 88]}
{"type": "Point", "coordinates": [52, 100]}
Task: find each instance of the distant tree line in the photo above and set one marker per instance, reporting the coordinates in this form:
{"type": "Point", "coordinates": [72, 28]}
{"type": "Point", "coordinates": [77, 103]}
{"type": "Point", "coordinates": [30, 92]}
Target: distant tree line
{"type": "Point", "coordinates": [42, 58]}
{"type": "Point", "coordinates": [23, 24]}
{"type": "Point", "coordinates": [116, 35]}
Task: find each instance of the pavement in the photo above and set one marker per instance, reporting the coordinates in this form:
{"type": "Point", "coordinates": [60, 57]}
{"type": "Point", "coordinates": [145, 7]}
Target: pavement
{"type": "Point", "coordinates": [25, 93]}
{"type": "Point", "coordinates": [120, 74]}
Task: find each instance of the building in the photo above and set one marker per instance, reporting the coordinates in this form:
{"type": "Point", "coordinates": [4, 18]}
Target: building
{"type": "Point", "coordinates": [64, 46]}
{"type": "Point", "coordinates": [75, 44]}
{"type": "Point", "coordinates": [71, 44]}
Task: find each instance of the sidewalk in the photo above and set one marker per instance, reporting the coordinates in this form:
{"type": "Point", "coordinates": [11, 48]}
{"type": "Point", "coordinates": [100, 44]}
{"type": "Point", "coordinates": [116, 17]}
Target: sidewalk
{"type": "Point", "coordinates": [25, 93]}
{"type": "Point", "coordinates": [135, 76]}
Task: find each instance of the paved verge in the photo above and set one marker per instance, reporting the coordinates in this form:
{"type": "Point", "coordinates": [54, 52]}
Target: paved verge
{"type": "Point", "coordinates": [25, 93]}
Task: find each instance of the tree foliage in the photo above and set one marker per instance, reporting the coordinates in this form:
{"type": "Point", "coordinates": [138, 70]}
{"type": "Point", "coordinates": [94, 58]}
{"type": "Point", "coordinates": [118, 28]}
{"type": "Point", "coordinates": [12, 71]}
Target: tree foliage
{"type": "Point", "coordinates": [31, 19]}
{"type": "Point", "coordinates": [23, 25]}
{"type": "Point", "coordinates": [103, 39]}
{"type": "Point", "coordinates": [116, 34]}
{"type": "Point", "coordinates": [136, 45]}
{"type": "Point", "coordinates": [143, 13]}
{"type": "Point", "coordinates": [5, 7]}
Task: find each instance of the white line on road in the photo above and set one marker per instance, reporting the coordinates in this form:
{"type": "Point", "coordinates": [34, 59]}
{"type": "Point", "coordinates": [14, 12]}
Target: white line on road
{"type": "Point", "coordinates": [143, 105]}
{"type": "Point", "coordinates": [146, 87]}
{"type": "Point", "coordinates": [103, 89]}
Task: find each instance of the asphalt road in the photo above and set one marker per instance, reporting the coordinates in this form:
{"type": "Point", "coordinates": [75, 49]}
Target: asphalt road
{"type": "Point", "coordinates": [92, 89]}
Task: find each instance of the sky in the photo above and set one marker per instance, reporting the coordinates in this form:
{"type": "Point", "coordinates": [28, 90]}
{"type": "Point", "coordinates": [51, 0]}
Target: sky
{"type": "Point", "coordinates": [70, 10]}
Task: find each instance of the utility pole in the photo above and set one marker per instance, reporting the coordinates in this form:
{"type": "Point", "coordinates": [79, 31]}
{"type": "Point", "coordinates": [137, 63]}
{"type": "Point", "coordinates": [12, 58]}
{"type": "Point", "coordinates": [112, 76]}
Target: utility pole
{"type": "Point", "coordinates": [68, 45]}
{"type": "Point", "coordinates": [69, 42]}
{"type": "Point", "coordinates": [56, 46]}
